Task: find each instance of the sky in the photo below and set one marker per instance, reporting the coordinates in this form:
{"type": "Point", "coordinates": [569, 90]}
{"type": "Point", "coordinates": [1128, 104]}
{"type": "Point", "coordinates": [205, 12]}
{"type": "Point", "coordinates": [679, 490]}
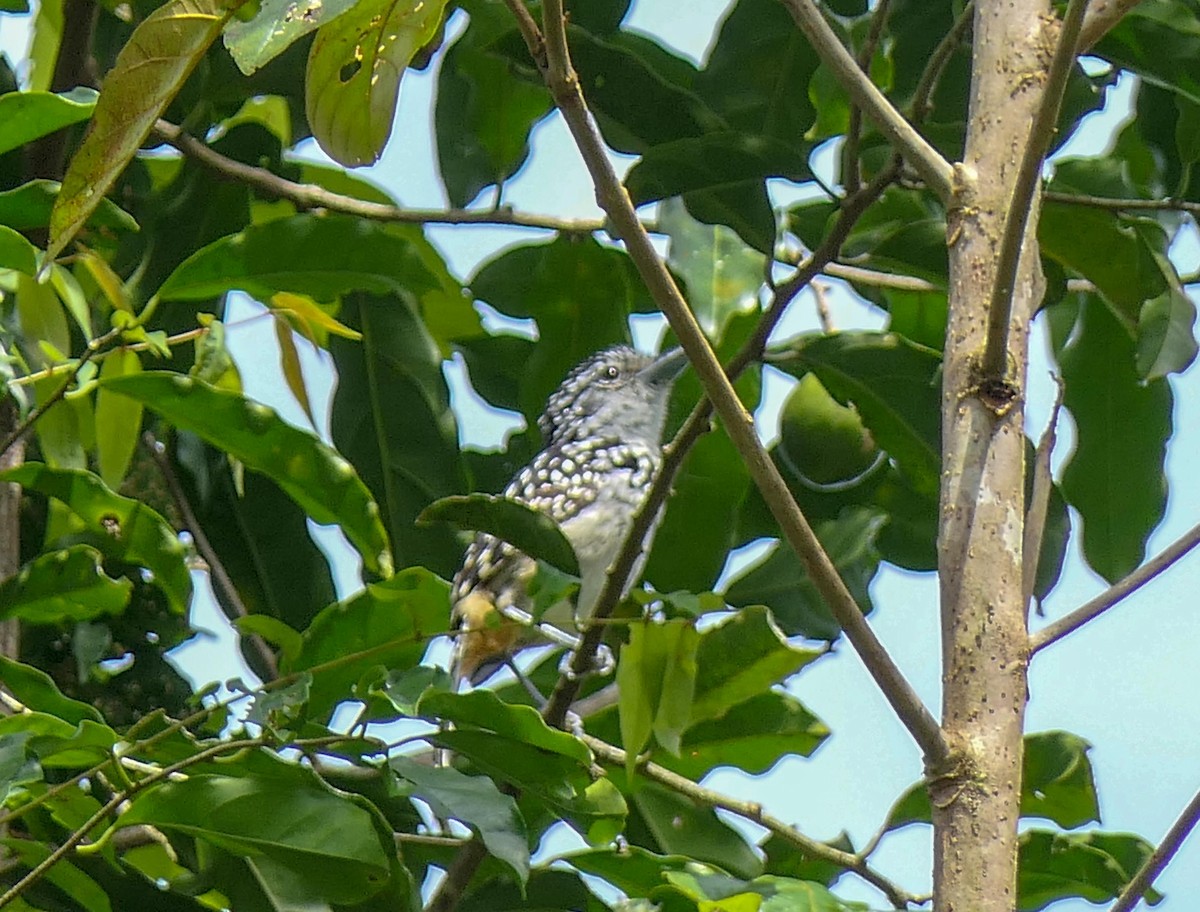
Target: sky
{"type": "Point", "coordinates": [1127, 682]}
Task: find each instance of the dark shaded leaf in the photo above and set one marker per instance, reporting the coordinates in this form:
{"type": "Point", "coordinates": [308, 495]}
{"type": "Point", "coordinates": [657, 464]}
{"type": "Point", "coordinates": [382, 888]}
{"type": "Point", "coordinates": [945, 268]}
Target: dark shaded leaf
{"type": "Point", "coordinates": [1093, 866]}
{"type": "Point", "coordinates": [536, 534]}
{"type": "Point", "coordinates": [29, 205]}
{"type": "Point", "coordinates": [36, 690]}
{"type": "Point", "coordinates": [61, 587]}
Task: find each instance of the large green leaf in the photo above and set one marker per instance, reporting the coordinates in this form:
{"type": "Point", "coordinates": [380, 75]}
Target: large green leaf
{"type": "Point", "coordinates": [354, 70]}
{"type": "Point", "coordinates": [534, 533]}
{"type": "Point", "coordinates": [120, 527]}
{"type": "Point", "coordinates": [1093, 866]}
{"type": "Point", "coordinates": [892, 382]}
{"type": "Point", "coordinates": [477, 802]}
{"type": "Point", "coordinates": [29, 206]}
{"type": "Point", "coordinates": [483, 118]}
{"type": "Point", "coordinates": [319, 256]}
{"type": "Point", "coordinates": [277, 25]}
{"type": "Point", "coordinates": [823, 441]}
{"type": "Point", "coordinates": [62, 587]}
{"type": "Point", "coordinates": [483, 709]}
{"type": "Point", "coordinates": [16, 252]}
{"type": "Point", "coordinates": [66, 876]}
{"type": "Point", "coordinates": [1114, 478]}
{"type": "Point", "coordinates": [388, 624]}
{"type": "Point", "coordinates": [392, 419]}
{"type": "Point", "coordinates": [780, 582]}
{"type": "Point", "coordinates": [740, 658]}
{"type": "Point", "coordinates": [312, 473]}
{"type": "Point", "coordinates": [36, 690]}
{"type": "Point", "coordinates": [149, 71]}
{"type": "Point", "coordinates": [300, 824]}
{"type": "Point", "coordinates": [656, 679]}
{"type": "Point", "coordinates": [27, 116]}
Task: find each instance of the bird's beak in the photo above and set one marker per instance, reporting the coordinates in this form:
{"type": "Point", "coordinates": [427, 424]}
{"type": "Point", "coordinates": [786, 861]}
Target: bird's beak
{"type": "Point", "coordinates": [665, 368]}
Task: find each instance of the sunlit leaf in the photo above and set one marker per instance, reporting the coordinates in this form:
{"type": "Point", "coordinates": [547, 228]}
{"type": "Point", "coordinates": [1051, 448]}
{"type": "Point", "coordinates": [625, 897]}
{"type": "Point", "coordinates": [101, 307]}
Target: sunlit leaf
{"type": "Point", "coordinates": [16, 252]}
{"type": "Point", "coordinates": [354, 71]}
{"type": "Point", "coordinates": [293, 372]}
{"type": "Point", "coordinates": [277, 25]}
{"type": "Point", "coordinates": [63, 587]}
{"type": "Point", "coordinates": [149, 71]}
{"type": "Point", "coordinates": [26, 116]}
{"type": "Point", "coordinates": [311, 472]}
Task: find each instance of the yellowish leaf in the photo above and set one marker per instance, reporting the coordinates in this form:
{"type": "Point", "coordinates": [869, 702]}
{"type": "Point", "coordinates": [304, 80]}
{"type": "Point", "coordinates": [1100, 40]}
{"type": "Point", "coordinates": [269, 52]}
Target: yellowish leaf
{"type": "Point", "coordinates": [118, 419]}
{"type": "Point", "coordinates": [149, 72]}
{"type": "Point", "coordinates": [354, 70]}
{"type": "Point", "coordinates": [108, 281]}
{"type": "Point", "coordinates": [293, 373]}
{"type": "Point", "coordinates": [309, 319]}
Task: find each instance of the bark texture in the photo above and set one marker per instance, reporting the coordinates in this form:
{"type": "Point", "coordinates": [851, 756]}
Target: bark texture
{"type": "Point", "coordinates": [976, 796]}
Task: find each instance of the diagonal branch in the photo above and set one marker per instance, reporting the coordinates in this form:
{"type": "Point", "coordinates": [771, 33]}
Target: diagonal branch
{"type": "Point", "coordinates": [1069, 623]}
{"type": "Point", "coordinates": [1160, 858]}
{"type": "Point", "coordinates": [995, 355]}
{"type": "Point", "coordinates": [928, 162]}
{"type": "Point", "coordinates": [739, 424]}
{"type": "Point", "coordinates": [1100, 19]}
{"type": "Point", "coordinates": [752, 810]}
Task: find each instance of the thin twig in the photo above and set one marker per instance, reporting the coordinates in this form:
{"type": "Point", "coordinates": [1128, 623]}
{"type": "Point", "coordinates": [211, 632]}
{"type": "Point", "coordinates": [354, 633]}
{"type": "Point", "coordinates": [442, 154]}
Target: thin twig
{"type": "Point", "coordinates": [1170, 204]}
{"type": "Point", "coordinates": [1069, 623]}
{"type": "Point", "coordinates": [753, 811]}
{"type": "Point", "coordinates": [922, 104]}
{"type": "Point", "coordinates": [928, 162]}
{"type": "Point", "coordinates": [93, 348]}
{"type": "Point", "coordinates": [1039, 500]}
{"type": "Point", "coordinates": [824, 317]}
{"type": "Point", "coordinates": [1160, 858]}
{"type": "Point", "coordinates": [738, 422]}
{"type": "Point", "coordinates": [80, 833]}
{"type": "Point", "coordinates": [216, 568]}
{"type": "Point", "coordinates": [851, 166]}
{"type": "Point", "coordinates": [1041, 132]}
{"type": "Point", "coordinates": [311, 196]}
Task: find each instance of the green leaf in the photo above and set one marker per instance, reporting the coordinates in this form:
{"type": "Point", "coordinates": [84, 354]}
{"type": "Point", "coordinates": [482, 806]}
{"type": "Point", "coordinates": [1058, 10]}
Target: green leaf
{"type": "Point", "coordinates": [483, 118]}
{"type": "Point", "coordinates": [63, 586]}
{"type": "Point", "coordinates": [635, 871]}
{"type": "Point", "coordinates": [656, 677]}
{"type": "Point", "coordinates": [277, 25]}
{"type": "Point", "coordinates": [118, 419]}
{"type": "Point", "coordinates": [476, 802]}
{"type": "Point", "coordinates": [739, 659]}
{"type": "Point", "coordinates": [120, 527]}
{"type": "Point", "coordinates": [758, 71]}
{"type": "Point", "coordinates": [392, 419]}
{"type": "Point", "coordinates": [151, 68]}
{"type": "Point", "coordinates": [1057, 780]}
{"type": "Point", "coordinates": [770, 893]}
{"type": "Point", "coordinates": [1165, 341]}
{"type": "Point", "coordinates": [311, 473]}
{"type": "Point", "coordinates": [354, 70]}
{"type": "Point", "coordinates": [318, 256]}
{"type": "Point", "coordinates": [533, 533]}
{"type": "Point", "coordinates": [547, 889]}
{"type": "Point", "coordinates": [63, 874]}
{"type": "Point", "coordinates": [894, 385]}
{"type": "Point", "coordinates": [1094, 866]}
{"type": "Point", "coordinates": [291, 820]}
{"type": "Point", "coordinates": [1106, 399]}
{"type": "Point", "coordinates": [483, 709]}
{"type": "Point", "coordinates": [722, 275]}
{"type": "Point", "coordinates": [27, 116]}
{"type": "Point", "coordinates": [16, 252]}
{"type": "Point", "coordinates": [29, 206]}
{"type": "Point", "coordinates": [388, 624]}
{"type": "Point", "coordinates": [37, 690]}
{"type": "Point", "coordinates": [823, 441]}
{"type": "Point", "coordinates": [780, 581]}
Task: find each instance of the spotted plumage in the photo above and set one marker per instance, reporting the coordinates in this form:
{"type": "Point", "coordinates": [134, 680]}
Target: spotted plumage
{"type": "Point", "coordinates": [603, 429]}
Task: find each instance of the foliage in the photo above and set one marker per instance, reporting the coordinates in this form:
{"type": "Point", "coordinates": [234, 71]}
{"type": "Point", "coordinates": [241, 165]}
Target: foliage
{"type": "Point", "coordinates": [107, 735]}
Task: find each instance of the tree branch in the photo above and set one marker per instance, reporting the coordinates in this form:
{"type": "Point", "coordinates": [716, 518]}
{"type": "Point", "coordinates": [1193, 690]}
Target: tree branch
{"type": "Point", "coordinates": [995, 355]}
{"type": "Point", "coordinates": [1069, 623]}
{"type": "Point", "coordinates": [1134, 205]}
{"type": "Point", "coordinates": [216, 568]}
{"type": "Point", "coordinates": [1160, 858]}
{"type": "Point", "coordinates": [851, 167]}
{"type": "Point", "coordinates": [753, 811]}
{"type": "Point", "coordinates": [311, 196]}
{"type": "Point", "coordinates": [1039, 500]}
{"type": "Point", "coordinates": [738, 422]}
{"type": "Point", "coordinates": [922, 103]}
{"type": "Point", "coordinates": [1100, 19]}
{"type": "Point", "coordinates": [928, 162]}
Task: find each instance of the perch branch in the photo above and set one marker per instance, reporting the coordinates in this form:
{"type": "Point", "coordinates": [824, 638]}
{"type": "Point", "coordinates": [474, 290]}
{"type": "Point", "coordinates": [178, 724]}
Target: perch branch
{"type": "Point", "coordinates": [1100, 19]}
{"type": "Point", "coordinates": [1160, 858]}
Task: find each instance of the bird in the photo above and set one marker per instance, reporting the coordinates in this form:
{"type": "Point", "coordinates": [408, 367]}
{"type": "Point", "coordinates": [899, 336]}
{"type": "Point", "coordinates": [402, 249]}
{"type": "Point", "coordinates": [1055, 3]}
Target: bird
{"type": "Point", "coordinates": [603, 431]}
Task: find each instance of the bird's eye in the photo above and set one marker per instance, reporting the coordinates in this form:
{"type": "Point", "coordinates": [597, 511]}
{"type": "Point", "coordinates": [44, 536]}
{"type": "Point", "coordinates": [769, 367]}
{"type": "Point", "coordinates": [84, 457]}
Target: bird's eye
{"type": "Point", "coordinates": [611, 372]}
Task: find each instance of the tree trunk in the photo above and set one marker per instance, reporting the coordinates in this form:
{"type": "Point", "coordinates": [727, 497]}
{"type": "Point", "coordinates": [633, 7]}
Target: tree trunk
{"type": "Point", "coordinates": [976, 799]}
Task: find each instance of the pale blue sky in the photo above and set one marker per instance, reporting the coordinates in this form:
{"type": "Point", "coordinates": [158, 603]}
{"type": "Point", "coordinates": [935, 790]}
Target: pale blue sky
{"type": "Point", "coordinates": [1127, 682]}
